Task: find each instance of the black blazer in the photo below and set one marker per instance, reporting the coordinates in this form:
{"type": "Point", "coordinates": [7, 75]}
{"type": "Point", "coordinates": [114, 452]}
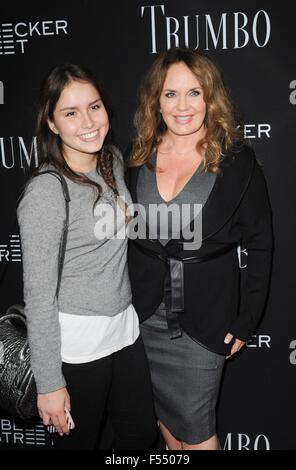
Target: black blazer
{"type": "Point", "coordinates": [208, 295]}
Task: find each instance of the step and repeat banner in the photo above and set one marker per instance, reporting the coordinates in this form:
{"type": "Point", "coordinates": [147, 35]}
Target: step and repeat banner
{"type": "Point", "coordinates": [254, 43]}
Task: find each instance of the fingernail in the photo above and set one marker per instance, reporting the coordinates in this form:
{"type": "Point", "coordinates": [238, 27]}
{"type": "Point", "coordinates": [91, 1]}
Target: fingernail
{"type": "Point", "coordinates": [61, 433]}
{"type": "Point", "coordinates": [226, 340]}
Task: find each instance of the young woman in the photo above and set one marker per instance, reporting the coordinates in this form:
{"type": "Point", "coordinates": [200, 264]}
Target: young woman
{"type": "Point", "coordinates": [86, 352]}
{"type": "Point", "coordinates": [187, 295]}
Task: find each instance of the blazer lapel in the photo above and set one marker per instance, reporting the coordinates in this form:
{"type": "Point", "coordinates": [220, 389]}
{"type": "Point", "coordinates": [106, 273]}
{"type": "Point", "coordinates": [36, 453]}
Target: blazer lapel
{"type": "Point", "coordinates": [227, 193]}
{"type": "Point", "coordinates": [131, 182]}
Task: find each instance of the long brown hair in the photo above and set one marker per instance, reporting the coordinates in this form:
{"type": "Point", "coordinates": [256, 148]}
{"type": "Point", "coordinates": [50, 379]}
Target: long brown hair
{"type": "Point", "coordinates": [50, 145]}
{"type": "Point", "coordinates": [221, 120]}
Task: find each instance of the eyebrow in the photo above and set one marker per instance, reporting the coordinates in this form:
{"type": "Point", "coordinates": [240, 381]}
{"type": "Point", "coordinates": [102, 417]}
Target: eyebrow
{"type": "Point", "coordinates": [75, 107]}
{"type": "Point", "coordinates": [191, 89]}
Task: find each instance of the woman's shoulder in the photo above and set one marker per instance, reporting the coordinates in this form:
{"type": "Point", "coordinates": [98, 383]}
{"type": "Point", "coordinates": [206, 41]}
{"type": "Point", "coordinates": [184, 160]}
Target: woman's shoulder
{"type": "Point", "coordinates": [118, 161]}
{"type": "Point", "coordinates": [43, 188]}
{"type": "Point", "coordinates": [45, 182]}
{"type": "Point", "coordinates": [115, 151]}
{"type": "Point", "coordinates": [240, 158]}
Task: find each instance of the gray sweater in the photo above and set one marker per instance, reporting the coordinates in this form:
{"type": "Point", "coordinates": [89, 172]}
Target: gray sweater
{"type": "Point", "coordinates": [95, 277]}
{"type": "Point", "coordinates": [196, 191]}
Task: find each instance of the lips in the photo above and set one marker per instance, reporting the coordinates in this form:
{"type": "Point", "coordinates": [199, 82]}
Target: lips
{"type": "Point", "coordinates": [183, 119]}
{"type": "Point", "coordinates": [89, 136]}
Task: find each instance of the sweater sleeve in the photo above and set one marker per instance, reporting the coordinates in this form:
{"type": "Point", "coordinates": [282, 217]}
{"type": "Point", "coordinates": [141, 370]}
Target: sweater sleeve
{"type": "Point", "coordinates": [41, 215]}
{"type": "Point", "coordinates": [256, 229]}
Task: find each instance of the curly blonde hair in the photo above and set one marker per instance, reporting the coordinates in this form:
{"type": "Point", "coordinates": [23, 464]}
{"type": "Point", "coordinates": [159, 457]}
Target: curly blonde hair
{"type": "Point", "coordinates": [221, 121]}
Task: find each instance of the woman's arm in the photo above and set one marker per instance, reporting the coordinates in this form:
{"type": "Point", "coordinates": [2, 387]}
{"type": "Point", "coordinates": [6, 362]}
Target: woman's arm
{"type": "Point", "coordinates": [256, 229]}
{"type": "Point", "coordinates": [41, 215]}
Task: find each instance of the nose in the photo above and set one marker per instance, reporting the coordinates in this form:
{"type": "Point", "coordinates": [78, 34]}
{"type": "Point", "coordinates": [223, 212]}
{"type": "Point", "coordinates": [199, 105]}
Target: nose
{"type": "Point", "coordinates": [87, 122]}
{"type": "Point", "coordinates": [182, 103]}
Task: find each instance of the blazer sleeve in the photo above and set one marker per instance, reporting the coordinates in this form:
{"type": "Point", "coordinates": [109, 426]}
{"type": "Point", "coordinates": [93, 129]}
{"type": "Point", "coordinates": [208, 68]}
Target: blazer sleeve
{"type": "Point", "coordinates": [255, 223]}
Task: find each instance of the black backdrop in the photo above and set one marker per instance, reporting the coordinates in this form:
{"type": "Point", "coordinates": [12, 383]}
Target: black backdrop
{"type": "Point", "coordinates": [253, 41]}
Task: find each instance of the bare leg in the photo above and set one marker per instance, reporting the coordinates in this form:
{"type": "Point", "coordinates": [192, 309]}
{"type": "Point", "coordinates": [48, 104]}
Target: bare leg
{"type": "Point", "coordinates": [210, 444]}
{"type": "Point", "coordinates": [171, 441]}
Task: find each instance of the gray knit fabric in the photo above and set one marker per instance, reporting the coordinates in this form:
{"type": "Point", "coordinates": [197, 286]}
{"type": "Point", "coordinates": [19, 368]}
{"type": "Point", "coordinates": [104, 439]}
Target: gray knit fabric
{"type": "Point", "coordinates": [95, 278]}
{"type": "Point", "coordinates": [196, 191]}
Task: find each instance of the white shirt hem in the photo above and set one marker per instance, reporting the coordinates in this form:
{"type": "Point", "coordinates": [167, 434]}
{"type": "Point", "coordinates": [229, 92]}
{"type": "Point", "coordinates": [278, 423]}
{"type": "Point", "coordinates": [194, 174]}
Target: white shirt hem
{"type": "Point", "coordinates": [104, 353]}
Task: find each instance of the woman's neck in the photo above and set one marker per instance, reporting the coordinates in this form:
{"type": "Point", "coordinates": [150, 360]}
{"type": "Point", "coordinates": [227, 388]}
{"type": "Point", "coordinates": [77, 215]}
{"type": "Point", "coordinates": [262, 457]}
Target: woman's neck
{"type": "Point", "coordinates": [180, 144]}
{"type": "Point", "coordinates": [81, 162]}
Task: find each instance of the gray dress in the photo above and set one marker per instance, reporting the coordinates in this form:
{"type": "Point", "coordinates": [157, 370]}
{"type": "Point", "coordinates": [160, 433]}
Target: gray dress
{"type": "Point", "coordinates": [185, 375]}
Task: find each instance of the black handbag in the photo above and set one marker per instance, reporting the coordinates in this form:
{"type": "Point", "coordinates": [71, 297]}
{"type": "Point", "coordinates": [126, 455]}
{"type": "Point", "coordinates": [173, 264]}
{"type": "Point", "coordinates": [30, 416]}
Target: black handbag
{"type": "Point", "coordinates": [18, 394]}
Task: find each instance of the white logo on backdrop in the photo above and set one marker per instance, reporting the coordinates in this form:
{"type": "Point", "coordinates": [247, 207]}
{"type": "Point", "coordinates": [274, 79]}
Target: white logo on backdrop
{"type": "Point", "coordinates": [257, 131]}
{"type": "Point", "coordinates": [15, 37]}
{"type": "Point", "coordinates": [233, 30]}
{"type": "Point", "coordinates": [293, 93]}
{"type": "Point", "coordinates": [15, 153]}
{"type": "Point", "coordinates": [292, 356]}
{"type": "Point", "coordinates": [12, 251]}
{"type": "Point", "coordinates": [240, 441]}
{"type": "Point", "coordinates": [259, 341]}
{"type": "Point", "coordinates": [35, 435]}
{"type": "Point", "coordinates": [242, 257]}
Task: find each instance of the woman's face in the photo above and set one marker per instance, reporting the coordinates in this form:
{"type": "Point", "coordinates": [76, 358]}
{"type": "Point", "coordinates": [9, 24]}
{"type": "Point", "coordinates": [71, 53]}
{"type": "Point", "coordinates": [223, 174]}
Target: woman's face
{"type": "Point", "coordinates": [80, 119]}
{"type": "Point", "coordinates": [181, 102]}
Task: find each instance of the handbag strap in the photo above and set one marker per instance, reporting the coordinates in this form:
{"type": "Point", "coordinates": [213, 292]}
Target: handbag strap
{"type": "Point", "coordinates": [63, 244]}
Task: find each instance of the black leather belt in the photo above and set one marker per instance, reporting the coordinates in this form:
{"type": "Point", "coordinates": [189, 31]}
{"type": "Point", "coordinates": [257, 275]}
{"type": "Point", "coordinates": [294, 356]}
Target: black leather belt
{"type": "Point", "coordinates": [174, 282]}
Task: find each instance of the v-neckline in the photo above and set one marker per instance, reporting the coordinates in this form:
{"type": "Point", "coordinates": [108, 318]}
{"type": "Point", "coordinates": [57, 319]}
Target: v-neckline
{"type": "Point", "coordinates": [181, 190]}
{"type": "Point", "coordinates": [205, 210]}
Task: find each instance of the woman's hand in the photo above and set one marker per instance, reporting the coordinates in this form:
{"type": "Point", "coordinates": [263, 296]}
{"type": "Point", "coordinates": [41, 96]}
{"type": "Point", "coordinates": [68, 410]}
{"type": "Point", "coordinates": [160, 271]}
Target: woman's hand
{"type": "Point", "coordinates": [51, 407]}
{"type": "Point", "coordinates": [237, 345]}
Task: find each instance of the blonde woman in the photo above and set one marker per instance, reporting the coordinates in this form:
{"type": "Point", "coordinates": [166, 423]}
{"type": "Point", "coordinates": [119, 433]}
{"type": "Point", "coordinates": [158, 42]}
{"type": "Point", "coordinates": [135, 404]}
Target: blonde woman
{"type": "Point", "coordinates": [188, 150]}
